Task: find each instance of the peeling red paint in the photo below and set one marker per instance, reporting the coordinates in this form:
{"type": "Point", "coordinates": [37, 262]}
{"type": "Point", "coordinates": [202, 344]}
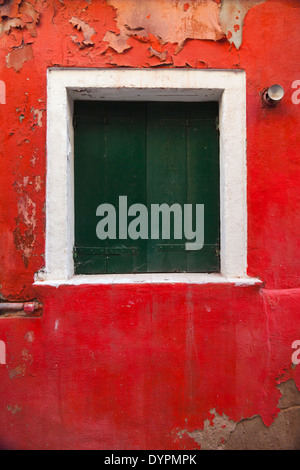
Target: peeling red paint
{"type": "Point", "coordinates": [199, 22]}
{"type": "Point", "coordinates": [18, 14]}
{"type": "Point", "coordinates": [18, 56]}
{"type": "Point", "coordinates": [87, 31]}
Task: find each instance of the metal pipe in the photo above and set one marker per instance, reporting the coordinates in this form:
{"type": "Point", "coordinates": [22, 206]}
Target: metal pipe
{"type": "Point", "coordinates": [28, 307]}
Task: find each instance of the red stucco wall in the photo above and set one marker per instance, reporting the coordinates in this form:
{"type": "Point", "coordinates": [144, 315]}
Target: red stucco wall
{"type": "Point", "coordinates": [139, 367]}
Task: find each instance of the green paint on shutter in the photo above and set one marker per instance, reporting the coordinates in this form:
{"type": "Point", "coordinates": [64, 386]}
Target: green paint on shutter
{"type": "Point", "coordinates": [166, 177]}
{"type": "Point", "coordinates": [153, 153]}
{"type": "Point", "coordinates": [203, 182]}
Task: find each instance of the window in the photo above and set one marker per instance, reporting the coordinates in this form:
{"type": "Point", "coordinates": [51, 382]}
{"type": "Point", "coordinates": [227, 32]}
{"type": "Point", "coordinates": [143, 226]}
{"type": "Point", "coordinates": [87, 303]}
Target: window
{"type": "Point", "coordinates": [150, 167]}
{"type": "Point", "coordinates": [66, 86]}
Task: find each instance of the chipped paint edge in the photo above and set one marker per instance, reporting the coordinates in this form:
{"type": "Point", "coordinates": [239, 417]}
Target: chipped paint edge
{"type": "Point", "coordinates": [226, 86]}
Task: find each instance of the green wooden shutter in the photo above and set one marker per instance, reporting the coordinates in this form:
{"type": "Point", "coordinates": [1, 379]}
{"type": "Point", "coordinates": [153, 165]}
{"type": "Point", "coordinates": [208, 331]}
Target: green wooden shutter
{"type": "Point", "coordinates": [153, 153]}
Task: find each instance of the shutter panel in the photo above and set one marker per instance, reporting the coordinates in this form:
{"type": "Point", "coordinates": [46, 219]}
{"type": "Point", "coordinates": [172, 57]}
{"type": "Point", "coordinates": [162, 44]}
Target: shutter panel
{"type": "Point", "coordinates": [89, 164]}
{"type": "Point", "coordinates": [203, 182]}
{"type": "Point", "coordinates": [110, 161]}
{"type": "Point", "coordinates": [166, 179]}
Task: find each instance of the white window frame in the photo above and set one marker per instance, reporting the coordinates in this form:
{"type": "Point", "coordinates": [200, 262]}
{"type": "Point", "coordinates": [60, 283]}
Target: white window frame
{"type": "Point", "coordinates": [228, 87]}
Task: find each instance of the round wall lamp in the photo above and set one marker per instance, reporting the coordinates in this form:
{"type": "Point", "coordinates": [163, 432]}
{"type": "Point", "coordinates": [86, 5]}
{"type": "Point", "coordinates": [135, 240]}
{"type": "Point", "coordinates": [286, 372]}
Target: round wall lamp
{"type": "Point", "coordinates": [273, 95]}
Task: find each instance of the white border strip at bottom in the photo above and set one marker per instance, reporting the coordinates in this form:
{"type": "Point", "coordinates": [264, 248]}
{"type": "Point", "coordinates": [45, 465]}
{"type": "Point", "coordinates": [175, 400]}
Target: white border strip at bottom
{"type": "Point", "coordinates": [151, 278]}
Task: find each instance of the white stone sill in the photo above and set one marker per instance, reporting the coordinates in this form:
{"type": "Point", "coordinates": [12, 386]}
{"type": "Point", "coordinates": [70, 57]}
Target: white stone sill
{"type": "Point", "coordinates": [150, 278]}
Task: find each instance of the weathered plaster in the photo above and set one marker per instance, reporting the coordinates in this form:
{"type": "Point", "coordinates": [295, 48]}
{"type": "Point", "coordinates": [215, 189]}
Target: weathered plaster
{"type": "Point", "coordinates": [215, 432]}
{"type": "Point", "coordinates": [221, 433]}
{"type": "Point", "coordinates": [169, 22]}
{"type": "Point", "coordinates": [87, 31]}
{"type": "Point", "coordinates": [17, 57]}
{"type": "Point", "coordinates": [232, 16]}
{"type": "Point", "coordinates": [155, 23]}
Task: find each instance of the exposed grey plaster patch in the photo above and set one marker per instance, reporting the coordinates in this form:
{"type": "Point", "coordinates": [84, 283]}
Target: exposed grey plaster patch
{"type": "Point", "coordinates": [290, 395]}
{"type": "Point", "coordinates": [212, 436]}
{"type": "Point", "coordinates": [252, 433]}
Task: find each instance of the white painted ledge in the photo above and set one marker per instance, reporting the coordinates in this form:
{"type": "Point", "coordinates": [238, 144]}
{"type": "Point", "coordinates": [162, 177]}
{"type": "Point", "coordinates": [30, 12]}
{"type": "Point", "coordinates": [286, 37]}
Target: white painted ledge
{"type": "Point", "coordinates": [150, 278]}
